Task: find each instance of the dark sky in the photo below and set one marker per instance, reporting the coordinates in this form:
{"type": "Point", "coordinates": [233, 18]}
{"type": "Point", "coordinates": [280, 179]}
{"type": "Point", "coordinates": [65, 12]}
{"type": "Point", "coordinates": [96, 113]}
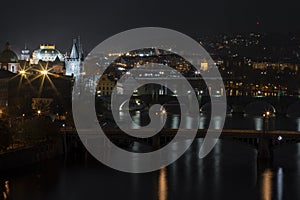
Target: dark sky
{"type": "Point", "coordinates": [58, 21]}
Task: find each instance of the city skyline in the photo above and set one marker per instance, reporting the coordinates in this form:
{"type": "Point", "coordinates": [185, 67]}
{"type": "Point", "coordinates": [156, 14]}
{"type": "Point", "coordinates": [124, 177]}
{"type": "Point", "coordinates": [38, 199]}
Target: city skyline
{"type": "Point", "coordinates": [196, 100]}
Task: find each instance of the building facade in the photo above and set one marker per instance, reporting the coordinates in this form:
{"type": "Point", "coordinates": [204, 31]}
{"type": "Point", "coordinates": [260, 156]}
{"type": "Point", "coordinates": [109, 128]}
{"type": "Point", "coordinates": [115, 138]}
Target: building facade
{"type": "Point", "coordinates": [47, 53]}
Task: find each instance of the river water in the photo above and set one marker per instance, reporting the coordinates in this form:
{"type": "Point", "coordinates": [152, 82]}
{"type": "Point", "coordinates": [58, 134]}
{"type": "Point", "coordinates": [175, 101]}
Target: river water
{"type": "Point", "coordinates": [229, 172]}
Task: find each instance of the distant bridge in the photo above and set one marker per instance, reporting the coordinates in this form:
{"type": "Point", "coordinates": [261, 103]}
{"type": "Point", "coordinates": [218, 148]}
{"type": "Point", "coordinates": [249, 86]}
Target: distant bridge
{"type": "Point", "coordinates": [281, 105]}
{"type": "Point", "coordinates": [264, 141]}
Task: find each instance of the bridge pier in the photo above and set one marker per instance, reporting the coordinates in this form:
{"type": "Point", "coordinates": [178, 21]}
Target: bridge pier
{"type": "Point", "coordinates": [264, 149]}
{"type": "Point", "coordinates": [156, 141]}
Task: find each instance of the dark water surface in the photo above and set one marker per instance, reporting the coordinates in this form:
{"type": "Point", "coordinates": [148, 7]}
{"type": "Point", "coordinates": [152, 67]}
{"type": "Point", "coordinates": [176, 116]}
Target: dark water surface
{"type": "Point", "coordinates": [229, 172]}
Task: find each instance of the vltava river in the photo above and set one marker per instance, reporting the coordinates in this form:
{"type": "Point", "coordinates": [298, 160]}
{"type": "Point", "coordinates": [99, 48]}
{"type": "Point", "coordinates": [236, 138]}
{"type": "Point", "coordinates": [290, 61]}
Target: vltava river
{"type": "Point", "coordinates": [229, 172]}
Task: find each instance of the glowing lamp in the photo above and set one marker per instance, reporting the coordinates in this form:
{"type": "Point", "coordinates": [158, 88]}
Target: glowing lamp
{"type": "Point", "coordinates": [44, 72]}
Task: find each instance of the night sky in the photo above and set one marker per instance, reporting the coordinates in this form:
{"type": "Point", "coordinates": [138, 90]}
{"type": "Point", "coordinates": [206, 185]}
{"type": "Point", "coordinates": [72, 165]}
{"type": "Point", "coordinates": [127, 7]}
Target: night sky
{"type": "Point", "coordinates": [56, 21]}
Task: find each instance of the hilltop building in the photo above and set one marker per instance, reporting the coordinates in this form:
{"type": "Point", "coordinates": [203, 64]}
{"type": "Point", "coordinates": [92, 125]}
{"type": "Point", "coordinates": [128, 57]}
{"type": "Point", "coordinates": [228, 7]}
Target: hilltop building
{"type": "Point", "coordinates": [9, 59]}
{"type": "Point", "coordinates": [47, 53]}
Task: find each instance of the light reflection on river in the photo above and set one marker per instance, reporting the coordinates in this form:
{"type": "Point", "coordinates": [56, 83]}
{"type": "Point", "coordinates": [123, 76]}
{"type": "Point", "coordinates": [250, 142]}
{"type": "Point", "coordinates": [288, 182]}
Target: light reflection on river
{"type": "Point", "coordinates": [229, 172]}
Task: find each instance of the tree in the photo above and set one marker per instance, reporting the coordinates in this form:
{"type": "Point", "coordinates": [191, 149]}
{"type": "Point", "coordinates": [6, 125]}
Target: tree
{"type": "Point", "coordinates": [40, 129]}
{"type": "Point", "coordinates": [5, 135]}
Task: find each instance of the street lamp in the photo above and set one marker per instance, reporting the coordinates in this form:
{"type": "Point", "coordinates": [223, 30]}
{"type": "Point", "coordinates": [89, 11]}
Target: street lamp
{"type": "Point", "coordinates": [44, 72]}
{"type": "Point", "coordinates": [39, 112]}
{"type": "Point", "coordinates": [267, 114]}
{"type": "Point", "coordinates": [22, 72]}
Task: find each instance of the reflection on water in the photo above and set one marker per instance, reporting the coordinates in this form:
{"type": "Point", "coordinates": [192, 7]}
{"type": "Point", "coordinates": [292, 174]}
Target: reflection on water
{"type": "Point", "coordinates": [217, 121]}
{"type": "Point", "coordinates": [162, 185]}
{"type": "Point", "coordinates": [6, 191]}
{"type": "Point", "coordinates": [280, 183]}
{"type": "Point", "coordinates": [268, 179]}
{"type": "Point", "coordinates": [267, 185]}
{"type": "Point", "coordinates": [298, 124]}
{"type": "Point", "coordinates": [175, 121]}
{"type": "Point", "coordinates": [137, 120]}
{"type": "Point", "coordinates": [228, 172]}
{"type": "Point", "coordinates": [258, 123]}
{"type": "Point", "coordinates": [202, 121]}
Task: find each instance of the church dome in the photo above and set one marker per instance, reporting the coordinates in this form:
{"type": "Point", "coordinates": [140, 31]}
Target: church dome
{"type": "Point", "coordinates": [8, 56]}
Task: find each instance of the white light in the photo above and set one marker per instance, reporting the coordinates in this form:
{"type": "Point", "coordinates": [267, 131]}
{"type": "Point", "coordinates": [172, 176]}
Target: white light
{"type": "Point", "coordinates": [279, 138]}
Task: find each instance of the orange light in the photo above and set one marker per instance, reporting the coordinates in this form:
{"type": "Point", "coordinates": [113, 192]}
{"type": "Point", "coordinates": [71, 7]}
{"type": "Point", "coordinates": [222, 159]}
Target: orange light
{"type": "Point", "coordinates": [44, 72]}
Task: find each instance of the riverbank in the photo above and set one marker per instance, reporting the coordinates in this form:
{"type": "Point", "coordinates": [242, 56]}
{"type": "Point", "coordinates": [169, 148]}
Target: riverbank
{"type": "Point", "coordinates": [30, 155]}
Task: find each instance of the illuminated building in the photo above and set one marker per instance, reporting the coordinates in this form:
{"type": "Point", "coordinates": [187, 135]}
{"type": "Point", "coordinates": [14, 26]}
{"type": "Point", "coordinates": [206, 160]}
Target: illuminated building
{"type": "Point", "coordinates": [9, 60]}
{"type": "Point", "coordinates": [73, 63]}
{"type": "Point", "coordinates": [105, 86]}
{"type": "Point", "coordinates": [46, 53]}
{"type": "Point", "coordinates": [204, 65]}
{"type": "Point", "coordinates": [25, 54]}
{"type": "Point", "coordinates": [294, 66]}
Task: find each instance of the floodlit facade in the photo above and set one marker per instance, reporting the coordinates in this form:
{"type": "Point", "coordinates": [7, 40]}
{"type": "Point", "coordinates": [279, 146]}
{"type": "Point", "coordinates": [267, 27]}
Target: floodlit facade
{"type": "Point", "coordinates": [47, 53]}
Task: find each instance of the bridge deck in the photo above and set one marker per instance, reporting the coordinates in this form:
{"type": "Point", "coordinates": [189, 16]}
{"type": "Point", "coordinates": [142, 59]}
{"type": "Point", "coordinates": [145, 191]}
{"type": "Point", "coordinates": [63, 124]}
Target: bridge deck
{"type": "Point", "coordinates": [226, 133]}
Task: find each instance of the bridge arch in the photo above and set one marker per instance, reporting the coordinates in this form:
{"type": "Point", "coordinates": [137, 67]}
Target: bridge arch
{"type": "Point", "coordinates": [258, 108]}
{"type": "Point", "coordinates": [293, 110]}
{"type": "Point", "coordinates": [121, 108]}
{"type": "Point", "coordinates": [206, 108]}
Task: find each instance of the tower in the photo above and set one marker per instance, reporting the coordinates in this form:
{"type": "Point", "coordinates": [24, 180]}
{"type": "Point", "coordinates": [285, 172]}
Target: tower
{"type": "Point", "coordinates": [74, 62]}
{"type": "Point", "coordinates": [25, 54]}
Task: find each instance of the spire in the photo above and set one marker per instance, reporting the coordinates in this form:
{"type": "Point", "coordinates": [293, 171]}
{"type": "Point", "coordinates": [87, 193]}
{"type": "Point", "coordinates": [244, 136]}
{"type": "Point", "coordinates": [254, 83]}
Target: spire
{"type": "Point", "coordinates": [74, 51]}
{"type": "Point", "coordinates": [25, 48]}
{"type": "Point", "coordinates": [7, 46]}
{"type": "Point", "coordinates": [80, 50]}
